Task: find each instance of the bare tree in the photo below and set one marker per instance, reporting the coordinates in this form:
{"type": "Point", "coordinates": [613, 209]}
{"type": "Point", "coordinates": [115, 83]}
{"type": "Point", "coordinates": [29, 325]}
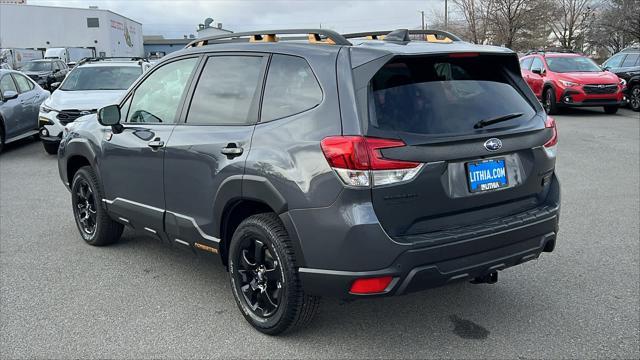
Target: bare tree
{"type": "Point", "coordinates": [475, 13]}
{"type": "Point", "coordinates": [520, 24]}
{"type": "Point", "coordinates": [571, 21]}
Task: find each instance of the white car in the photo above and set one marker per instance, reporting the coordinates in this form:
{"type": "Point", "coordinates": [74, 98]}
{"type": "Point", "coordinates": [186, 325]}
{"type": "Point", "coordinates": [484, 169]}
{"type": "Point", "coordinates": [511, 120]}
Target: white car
{"type": "Point", "coordinates": [92, 84]}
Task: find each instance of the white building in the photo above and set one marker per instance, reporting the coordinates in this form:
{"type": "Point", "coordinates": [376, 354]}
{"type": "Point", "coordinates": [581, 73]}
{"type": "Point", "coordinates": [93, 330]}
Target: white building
{"type": "Point", "coordinates": [43, 27]}
{"type": "Point", "coordinates": [207, 29]}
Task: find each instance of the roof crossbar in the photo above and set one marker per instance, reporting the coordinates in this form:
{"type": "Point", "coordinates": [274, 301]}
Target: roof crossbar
{"type": "Point", "coordinates": [438, 35]}
{"type": "Point", "coordinates": [323, 36]}
{"type": "Point", "coordinates": [125, 58]}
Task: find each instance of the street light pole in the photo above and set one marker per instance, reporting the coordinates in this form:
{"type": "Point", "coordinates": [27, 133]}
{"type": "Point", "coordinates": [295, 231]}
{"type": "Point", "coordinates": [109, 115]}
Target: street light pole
{"type": "Point", "coordinates": [422, 13]}
{"type": "Point", "coordinates": [446, 15]}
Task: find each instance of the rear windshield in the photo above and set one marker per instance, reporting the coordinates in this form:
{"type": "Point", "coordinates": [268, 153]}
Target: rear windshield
{"type": "Point", "coordinates": [572, 64]}
{"type": "Point", "coordinates": [37, 66]}
{"type": "Point", "coordinates": [444, 95]}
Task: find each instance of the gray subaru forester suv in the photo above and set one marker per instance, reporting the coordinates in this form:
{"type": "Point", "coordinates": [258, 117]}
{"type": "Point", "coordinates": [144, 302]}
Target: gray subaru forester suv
{"type": "Point", "coordinates": [318, 164]}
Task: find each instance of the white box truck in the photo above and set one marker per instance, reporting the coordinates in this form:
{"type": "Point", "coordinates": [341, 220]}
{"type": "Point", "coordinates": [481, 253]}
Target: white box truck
{"type": "Point", "coordinates": [70, 55]}
{"type": "Point", "coordinates": [15, 58]}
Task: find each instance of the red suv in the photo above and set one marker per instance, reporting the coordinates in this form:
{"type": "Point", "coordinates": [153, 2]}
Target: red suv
{"type": "Point", "coordinates": [567, 79]}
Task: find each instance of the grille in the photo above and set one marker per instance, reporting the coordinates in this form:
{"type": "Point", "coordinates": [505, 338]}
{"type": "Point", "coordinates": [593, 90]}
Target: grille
{"type": "Point", "coordinates": [601, 89]}
{"type": "Point", "coordinates": [67, 116]}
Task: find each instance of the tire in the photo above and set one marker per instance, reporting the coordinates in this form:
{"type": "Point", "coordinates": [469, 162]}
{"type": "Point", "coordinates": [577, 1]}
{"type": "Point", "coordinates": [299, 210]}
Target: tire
{"type": "Point", "coordinates": [280, 302]}
{"type": "Point", "coordinates": [50, 148]}
{"type": "Point", "coordinates": [634, 98]}
{"type": "Point", "coordinates": [98, 229]}
{"type": "Point", "coordinates": [549, 102]}
{"type": "Point", "coordinates": [1, 136]}
{"type": "Point", "coordinates": [611, 109]}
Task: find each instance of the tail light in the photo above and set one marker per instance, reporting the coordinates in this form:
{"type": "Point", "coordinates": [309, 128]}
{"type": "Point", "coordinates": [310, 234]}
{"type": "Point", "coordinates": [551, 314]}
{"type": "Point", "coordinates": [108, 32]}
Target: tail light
{"type": "Point", "coordinates": [370, 285]}
{"type": "Point", "coordinates": [358, 161]}
{"type": "Point", "coordinates": [551, 145]}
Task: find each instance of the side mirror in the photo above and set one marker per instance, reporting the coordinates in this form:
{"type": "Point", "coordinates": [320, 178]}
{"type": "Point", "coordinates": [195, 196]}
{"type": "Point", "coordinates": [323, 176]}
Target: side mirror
{"type": "Point", "coordinates": [537, 71]}
{"type": "Point", "coordinates": [54, 86]}
{"type": "Point", "coordinates": [9, 95]}
{"type": "Point", "coordinates": [109, 115]}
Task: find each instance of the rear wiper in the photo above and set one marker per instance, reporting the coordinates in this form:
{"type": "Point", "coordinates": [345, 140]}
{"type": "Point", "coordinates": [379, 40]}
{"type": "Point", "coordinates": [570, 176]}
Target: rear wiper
{"type": "Point", "coordinates": [483, 123]}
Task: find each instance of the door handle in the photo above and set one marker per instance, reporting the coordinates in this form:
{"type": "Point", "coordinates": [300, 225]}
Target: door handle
{"type": "Point", "coordinates": [232, 150]}
{"type": "Point", "coordinates": [155, 144]}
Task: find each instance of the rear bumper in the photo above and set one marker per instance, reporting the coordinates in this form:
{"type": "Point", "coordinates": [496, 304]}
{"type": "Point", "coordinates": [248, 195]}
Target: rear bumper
{"type": "Point", "coordinates": [433, 259]}
{"type": "Point", "coordinates": [425, 268]}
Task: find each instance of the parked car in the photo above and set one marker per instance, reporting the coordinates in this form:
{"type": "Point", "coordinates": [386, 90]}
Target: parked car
{"type": "Point", "coordinates": [626, 64]}
{"type": "Point", "coordinates": [46, 72]}
{"type": "Point", "coordinates": [20, 98]}
{"type": "Point", "coordinates": [92, 84]}
{"type": "Point", "coordinates": [354, 169]}
{"type": "Point", "coordinates": [571, 80]}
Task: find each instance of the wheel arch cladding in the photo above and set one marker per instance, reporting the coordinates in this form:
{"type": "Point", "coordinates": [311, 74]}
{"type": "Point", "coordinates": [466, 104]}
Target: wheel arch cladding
{"type": "Point", "coordinates": [258, 196]}
{"type": "Point", "coordinates": [234, 213]}
{"type": "Point", "coordinates": [74, 163]}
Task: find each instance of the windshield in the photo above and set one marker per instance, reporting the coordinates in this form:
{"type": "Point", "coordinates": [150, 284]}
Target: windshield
{"type": "Point", "coordinates": [37, 66]}
{"type": "Point", "coordinates": [572, 64]}
{"type": "Point", "coordinates": [101, 78]}
{"type": "Point", "coordinates": [441, 95]}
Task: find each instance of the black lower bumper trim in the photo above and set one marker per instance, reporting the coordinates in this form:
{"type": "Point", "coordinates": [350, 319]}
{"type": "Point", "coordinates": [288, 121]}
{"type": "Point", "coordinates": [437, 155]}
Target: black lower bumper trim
{"type": "Point", "coordinates": [424, 268]}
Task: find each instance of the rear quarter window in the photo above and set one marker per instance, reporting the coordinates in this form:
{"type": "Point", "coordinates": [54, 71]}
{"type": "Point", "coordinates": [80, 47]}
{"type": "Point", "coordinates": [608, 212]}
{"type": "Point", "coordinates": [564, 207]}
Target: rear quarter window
{"type": "Point", "coordinates": [441, 95]}
{"type": "Point", "coordinates": [291, 88]}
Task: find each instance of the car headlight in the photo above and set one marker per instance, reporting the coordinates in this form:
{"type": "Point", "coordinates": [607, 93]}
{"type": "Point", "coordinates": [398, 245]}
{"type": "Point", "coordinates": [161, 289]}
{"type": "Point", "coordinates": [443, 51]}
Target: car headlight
{"type": "Point", "coordinates": [623, 82]}
{"type": "Point", "coordinates": [568, 83]}
{"type": "Point", "coordinates": [45, 109]}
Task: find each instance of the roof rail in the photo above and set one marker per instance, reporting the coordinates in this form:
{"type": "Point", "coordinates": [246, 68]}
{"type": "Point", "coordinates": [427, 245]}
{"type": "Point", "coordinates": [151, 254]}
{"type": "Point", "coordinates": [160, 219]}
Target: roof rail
{"type": "Point", "coordinates": [322, 36]}
{"type": "Point", "coordinates": [126, 58]}
{"type": "Point", "coordinates": [431, 35]}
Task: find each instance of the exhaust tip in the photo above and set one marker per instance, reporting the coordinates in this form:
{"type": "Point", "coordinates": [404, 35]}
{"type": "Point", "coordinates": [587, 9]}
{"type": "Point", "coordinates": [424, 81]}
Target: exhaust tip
{"type": "Point", "coordinates": [489, 278]}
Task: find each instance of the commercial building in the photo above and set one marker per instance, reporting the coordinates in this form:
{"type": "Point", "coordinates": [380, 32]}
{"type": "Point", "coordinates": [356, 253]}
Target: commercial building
{"type": "Point", "coordinates": [43, 27]}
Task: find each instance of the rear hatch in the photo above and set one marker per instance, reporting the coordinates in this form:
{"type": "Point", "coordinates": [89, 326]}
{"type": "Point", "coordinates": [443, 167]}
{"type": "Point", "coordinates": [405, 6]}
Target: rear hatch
{"type": "Point", "coordinates": [475, 129]}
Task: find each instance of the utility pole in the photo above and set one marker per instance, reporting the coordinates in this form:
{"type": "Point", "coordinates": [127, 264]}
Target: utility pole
{"type": "Point", "coordinates": [446, 15]}
{"type": "Point", "coordinates": [422, 13]}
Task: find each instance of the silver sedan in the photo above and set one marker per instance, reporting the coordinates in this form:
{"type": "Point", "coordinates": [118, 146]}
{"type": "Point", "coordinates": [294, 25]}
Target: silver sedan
{"type": "Point", "coordinates": [20, 99]}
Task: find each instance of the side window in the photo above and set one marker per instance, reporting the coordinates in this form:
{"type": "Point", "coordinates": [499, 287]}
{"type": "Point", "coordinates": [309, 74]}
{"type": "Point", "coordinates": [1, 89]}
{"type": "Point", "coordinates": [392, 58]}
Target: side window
{"type": "Point", "coordinates": [227, 91]}
{"type": "Point", "coordinates": [7, 84]}
{"type": "Point", "coordinates": [24, 84]}
{"type": "Point", "coordinates": [615, 61]}
{"type": "Point", "coordinates": [630, 60]}
{"type": "Point", "coordinates": [55, 66]}
{"type": "Point", "coordinates": [526, 63]}
{"type": "Point", "coordinates": [537, 64]}
{"type": "Point", "coordinates": [291, 88]}
{"type": "Point", "coordinates": [157, 99]}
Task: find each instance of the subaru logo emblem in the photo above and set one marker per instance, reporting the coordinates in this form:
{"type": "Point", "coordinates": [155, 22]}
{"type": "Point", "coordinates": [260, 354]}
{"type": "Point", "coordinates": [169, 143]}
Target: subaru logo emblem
{"type": "Point", "coordinates": [493, 144]}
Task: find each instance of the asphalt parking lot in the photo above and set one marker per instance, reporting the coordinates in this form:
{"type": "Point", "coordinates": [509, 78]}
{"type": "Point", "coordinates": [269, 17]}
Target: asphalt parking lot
{"type": "Point", "coordinates": [143, 299]}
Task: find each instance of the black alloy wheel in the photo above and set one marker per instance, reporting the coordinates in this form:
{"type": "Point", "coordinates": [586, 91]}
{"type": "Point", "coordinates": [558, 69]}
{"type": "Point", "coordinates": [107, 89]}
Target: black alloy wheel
{"type": "Point", "coordinates": [85, 207]}
{"type": "Point", "coordinates": [549, 102]}
{"type": "Point", "coordinates": [634, 98]}
{"type": "Point", "coordinates": [264, 278]}
{"type": "Point", "coordinates": [94, 224]}
{"type": "Point", "coordinates": [260, 279]}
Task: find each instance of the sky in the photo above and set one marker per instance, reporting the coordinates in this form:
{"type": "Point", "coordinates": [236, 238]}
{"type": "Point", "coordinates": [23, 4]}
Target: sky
{"type": "Point", "coordinates": [175, 18]}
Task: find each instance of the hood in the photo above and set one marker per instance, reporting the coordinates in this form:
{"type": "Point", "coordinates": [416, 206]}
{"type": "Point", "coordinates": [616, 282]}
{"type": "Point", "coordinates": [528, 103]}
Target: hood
{"type": "Point", "coordinates": [83, 100]}
{"type": "Point", "coordinates": [601, 77]}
